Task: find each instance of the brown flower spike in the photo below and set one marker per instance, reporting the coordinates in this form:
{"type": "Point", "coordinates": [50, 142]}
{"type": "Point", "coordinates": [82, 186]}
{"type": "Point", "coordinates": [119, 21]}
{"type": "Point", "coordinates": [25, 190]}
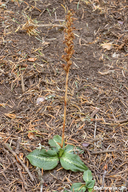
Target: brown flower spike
{"type": "Point", "coordinates": [69, 36]}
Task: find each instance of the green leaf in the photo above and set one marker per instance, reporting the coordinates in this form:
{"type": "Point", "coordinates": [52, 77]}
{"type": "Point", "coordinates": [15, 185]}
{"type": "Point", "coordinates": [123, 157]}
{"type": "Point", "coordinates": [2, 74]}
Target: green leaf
{"type": "Point", "coordinates": [61, 151]}
{"type": "Point", "coordinates": [72, 162]}
{"type": "Point", "coordinates": [69, 148]}
{"type": "Point", "coordinates": [87, 176]}
{"type": "Point", "coordinates": [73, 149]}
{"type": "Point", "coordinates": [78, 187]}
{"type": "Point", "coordinates": [90, 190]}
{"type": "Point", "coordinates": [43, 159]}
{"type": "Point", "coordinates": [90, 184]}
{"type": "Point", "coordinates": [54, 143]}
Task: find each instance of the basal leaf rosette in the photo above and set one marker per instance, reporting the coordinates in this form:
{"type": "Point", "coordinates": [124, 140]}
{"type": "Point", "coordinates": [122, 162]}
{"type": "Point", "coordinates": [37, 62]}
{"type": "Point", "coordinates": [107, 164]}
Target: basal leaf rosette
{"type": "Point", "coordinates": [49, 159]}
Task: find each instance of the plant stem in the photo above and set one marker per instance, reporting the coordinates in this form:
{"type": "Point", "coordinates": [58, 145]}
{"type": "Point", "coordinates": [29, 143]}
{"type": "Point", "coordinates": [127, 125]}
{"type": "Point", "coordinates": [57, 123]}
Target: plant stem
{"type": "Point", "coordinates": [65, 104]}
{"type": "Point", "coordinates": [69, 36]}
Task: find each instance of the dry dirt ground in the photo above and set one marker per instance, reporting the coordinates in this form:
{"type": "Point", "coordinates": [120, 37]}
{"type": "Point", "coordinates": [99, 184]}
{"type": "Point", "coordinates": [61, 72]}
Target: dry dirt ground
{"type": "Point", "coordinates": [97, 108]}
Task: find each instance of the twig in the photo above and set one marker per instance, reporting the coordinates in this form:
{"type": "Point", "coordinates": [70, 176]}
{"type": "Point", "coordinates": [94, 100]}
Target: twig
{"type": "Point", "coordinates": [40, 178]}
{"type": "Point", "coordinates": [103, 178]}
{"type": "Point", "coordinates": [108, 151]}
{"type": "Point", "coordinates": [19, 169]}
{"type": "Point", "coordinates": [18, 145]}
{"type": "Point", "coordinates": [122, 121]}
{"type": "Point", "coordinates": [50, 25]}
{"type": "Point", "coordinates": [95, 127]}
{"type": "Point", "coordinates": [32, 25]}
{"type": "Point", "coordinates": [15, 155]}
{"type": "Point", "coordinates": [22, 83]}
{"type": "Point", "coordinates": [58, 19]}
{"type": "Point", "coordinates": [95, 132]}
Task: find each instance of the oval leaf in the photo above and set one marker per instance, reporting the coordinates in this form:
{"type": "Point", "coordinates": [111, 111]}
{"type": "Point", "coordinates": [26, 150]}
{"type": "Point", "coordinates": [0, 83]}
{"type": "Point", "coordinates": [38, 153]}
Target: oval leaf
{"type": "Point", "coordinates": [87, 176]}
{"type": "Point", "coordinates": [72, 162]}
{"type": "Point", "coordinates": [43, 159]}
{"type": "Point", "coordinates": [78, 187]}
{"type": "Point", "coordinates": [55, 143]}
{"type": "Point", "coordinates": [69, 149]}
{"type": "Point", "coordinates": [90, 184]}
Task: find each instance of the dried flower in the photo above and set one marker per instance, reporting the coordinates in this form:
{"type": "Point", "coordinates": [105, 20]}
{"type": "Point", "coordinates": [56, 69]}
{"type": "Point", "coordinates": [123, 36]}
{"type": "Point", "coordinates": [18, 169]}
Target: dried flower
{"type": "Point", "coordinates": [69, 36]}
{"type": "Point", "coordinates": [69, 50]}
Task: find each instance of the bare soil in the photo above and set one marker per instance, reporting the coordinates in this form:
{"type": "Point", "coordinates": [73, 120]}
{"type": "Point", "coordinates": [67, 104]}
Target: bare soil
{"type": "Point", "coordinates": [97, 108]}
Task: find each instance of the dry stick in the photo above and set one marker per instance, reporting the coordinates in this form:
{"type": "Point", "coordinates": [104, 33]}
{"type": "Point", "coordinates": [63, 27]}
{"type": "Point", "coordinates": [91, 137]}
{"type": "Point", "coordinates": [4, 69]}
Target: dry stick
{"type": "Point", "coordinates": [40, 178]}
{"type": "Point", "coordinates": [18, 145]}
{"type": "Point", "coordinates": [19, 169]}
{"type": "Point", "coordinates": [22, 83]}
{"type": "Point", "coordinates": [65, 103]}
{"type": "Point", "coordinates": [42, 25]}
{"type": "Point", "coordinates": [95, 132]}
{"type": "Point", "coordinates": [15, 155]}
{"type": "Point", "coordinates": [50, 25]}
{"type": "Point", "coordinates": [108, 151]}
{"type": "Point", "coordinates": [122, 121]}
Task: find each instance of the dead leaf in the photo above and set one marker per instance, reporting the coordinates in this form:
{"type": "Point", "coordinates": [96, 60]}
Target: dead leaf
{"type": "Point", "coordinates": [115, 55]}
{"type": "Point", "coordinates": [106, 72]}
{"type": "Point", "coordinates": [107, 46]}
{"type": "Point", "coordinates": [30, 27]}
{"type": "Point", "coordinates": [21, 155]}
{"type": "Point", "coordinates": [11, 116]}
{"type": "Point", "coordinates": [32, 59]}
{"type": "Point", "coordinates": [31, 135]}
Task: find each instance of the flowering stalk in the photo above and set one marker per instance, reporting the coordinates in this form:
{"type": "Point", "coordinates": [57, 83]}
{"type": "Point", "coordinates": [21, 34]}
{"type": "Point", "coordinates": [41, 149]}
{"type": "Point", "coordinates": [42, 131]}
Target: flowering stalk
{"type": "Point", "coordinates": [69, 50]}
